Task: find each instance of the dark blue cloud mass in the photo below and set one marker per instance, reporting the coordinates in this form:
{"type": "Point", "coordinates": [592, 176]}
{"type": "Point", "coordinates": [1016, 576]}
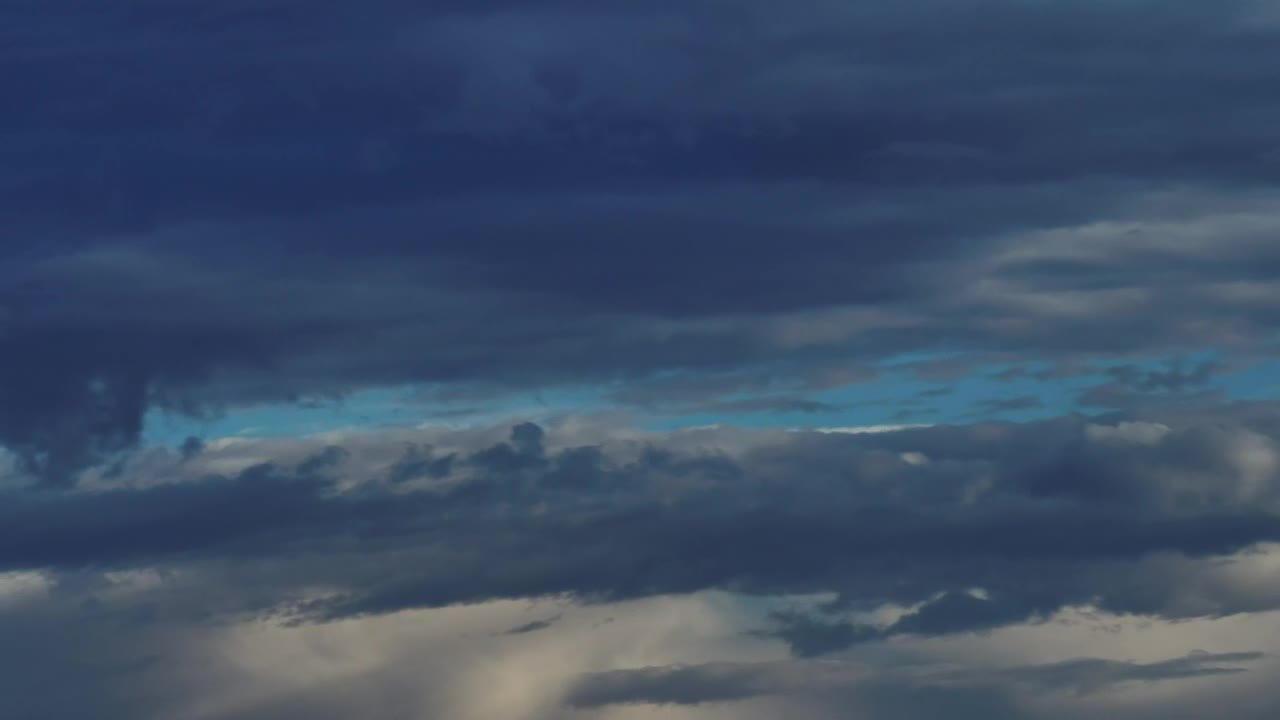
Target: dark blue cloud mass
{"type": "Point", "coordinates": [900, 324]}
{"type": "Point", "coordinates": [256, 202]}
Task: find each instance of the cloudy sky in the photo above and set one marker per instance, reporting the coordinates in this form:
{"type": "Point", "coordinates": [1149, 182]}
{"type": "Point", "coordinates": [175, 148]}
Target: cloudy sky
{"type": "Point", "coordinates": [616, 360]}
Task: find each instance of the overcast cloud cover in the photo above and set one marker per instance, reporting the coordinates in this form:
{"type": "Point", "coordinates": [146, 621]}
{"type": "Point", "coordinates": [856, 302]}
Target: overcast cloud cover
{"type": "Point", "coordinates": [616, 360]}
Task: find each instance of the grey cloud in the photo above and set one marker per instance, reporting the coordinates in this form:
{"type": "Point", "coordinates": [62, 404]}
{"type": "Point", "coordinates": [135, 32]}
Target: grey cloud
{"type": "Point", "coordinates": [810, 636]}
{"type": "Point", "coordinates": [951, 612]}
{"type": "Point", "coordinates": [1132, 386]}
{"type": "Point", "coordinates": [885, 687]}
{"type": "Point", "coordinates": [691, 685]}
{"type": "Point", "coordinates": [1090, 675]}
{"type": "Point", "coordinates": [1173, 379]}
{"type": "Point", "coordinates": [191, 447]}
{"type": "Point", "coordinates": [419, 461]}
{"type": "Point", "coordinates": [996, 507]}
{"type": "Point", "coordinates": [1040, 516]}
{"type": "Point", "coordinates": [533, 626]}
{"type": "Point", "coordinates": [208, 210]}
{"type": "Point", "coordinates": [329, 457]}
{"type": "Point", "coordinates": [688, 206]}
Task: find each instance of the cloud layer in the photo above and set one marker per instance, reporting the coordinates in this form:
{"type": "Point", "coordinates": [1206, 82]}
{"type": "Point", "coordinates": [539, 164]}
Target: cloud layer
{"type": "Point", "coordinates": [219, 207]}
{"type": "Point", "coordinates": [971, 527]}
{"type": "Point", "coordinates": [636, 255]}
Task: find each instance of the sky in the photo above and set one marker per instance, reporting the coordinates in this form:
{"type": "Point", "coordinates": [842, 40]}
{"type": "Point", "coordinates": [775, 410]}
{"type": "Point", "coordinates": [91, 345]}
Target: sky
{"type": "Point", "coordinates": [619, 360]}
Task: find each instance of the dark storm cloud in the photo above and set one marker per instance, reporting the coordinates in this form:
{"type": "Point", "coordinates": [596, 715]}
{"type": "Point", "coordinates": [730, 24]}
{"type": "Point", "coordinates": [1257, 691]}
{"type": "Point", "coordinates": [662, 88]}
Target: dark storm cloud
{"type": "Point", "coordinates": [217, 206]}
{"type": "Point", "coordinates": [1039, 516]}
{"type": "Point", "coordinates": [690, 206]}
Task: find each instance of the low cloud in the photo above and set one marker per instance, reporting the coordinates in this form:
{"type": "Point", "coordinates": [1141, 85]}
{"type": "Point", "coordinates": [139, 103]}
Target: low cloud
{"type": "Point", "coordinates": [1123, 525]}
{"type": "Point", "coordinates": [729, 682]}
